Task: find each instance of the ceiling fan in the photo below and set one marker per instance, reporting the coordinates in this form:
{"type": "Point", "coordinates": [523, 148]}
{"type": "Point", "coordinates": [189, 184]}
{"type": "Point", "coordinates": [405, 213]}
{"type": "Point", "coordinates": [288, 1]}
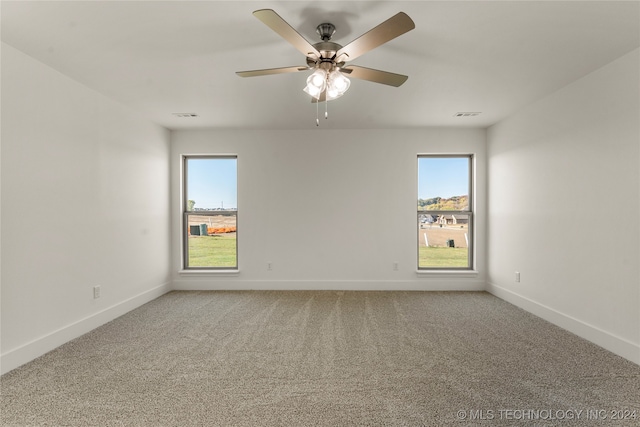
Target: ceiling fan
{"type": "Point", "coordinates": [328, 59]}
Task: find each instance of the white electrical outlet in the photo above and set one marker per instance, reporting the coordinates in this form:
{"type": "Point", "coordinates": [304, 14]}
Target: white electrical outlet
{"type": "Point", "coordinates": [517, 277]}
{"type": "Point", "coordinates": [96, 292]}
{"type": "Point", "coordinates": [395, 266]}
{"type": "Point", "coordinates": [269, 266]}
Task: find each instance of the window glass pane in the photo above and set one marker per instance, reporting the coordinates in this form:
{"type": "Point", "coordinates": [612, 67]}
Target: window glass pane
{"type": "Point", "coordinates": [443, 183]}
{"type": "Point", "coordinates": [211, 241]}
{"type": "Point", "coordinates": [210, 205]}
{"type": "Point", "coordinates": [443, 241]}
{"type": "Point", "coordinates": [211, 184]}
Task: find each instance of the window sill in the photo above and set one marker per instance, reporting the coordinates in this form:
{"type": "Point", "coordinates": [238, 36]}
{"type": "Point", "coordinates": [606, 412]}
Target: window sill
{"type": "Point", "coordinates": [448, 273]}
{"type": "Point", "coordinates": [205, 272]}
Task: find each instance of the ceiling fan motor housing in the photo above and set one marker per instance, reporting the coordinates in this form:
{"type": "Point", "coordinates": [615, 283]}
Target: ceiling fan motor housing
{"type": "Point", "coordinates": [326, 48]}
{"type": "Point", "coordinates": [325, 31]}
{"type": "Point", "coordinates": [327, 58]}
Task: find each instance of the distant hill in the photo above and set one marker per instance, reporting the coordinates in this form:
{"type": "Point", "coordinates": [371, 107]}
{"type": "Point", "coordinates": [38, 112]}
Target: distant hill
{"type": "Point", "coordinates": [455, 203]}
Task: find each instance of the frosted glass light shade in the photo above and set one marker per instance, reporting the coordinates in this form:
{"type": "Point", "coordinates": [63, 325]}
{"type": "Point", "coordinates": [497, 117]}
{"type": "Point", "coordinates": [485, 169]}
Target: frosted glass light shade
{"type": "Point", "coordinates": [337, 85]}
{"type": "Point", "coordinates": [316, 83]}
{"type": "Point", "coordinates": [339, 82]}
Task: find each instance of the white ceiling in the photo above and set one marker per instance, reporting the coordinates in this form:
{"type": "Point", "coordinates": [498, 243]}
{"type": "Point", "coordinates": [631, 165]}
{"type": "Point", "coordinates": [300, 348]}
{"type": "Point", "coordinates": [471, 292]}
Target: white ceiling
{"type": "Point", "coordinates": [164, 57]}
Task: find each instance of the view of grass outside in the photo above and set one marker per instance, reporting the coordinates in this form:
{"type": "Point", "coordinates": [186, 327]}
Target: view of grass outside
{"type": "Point", "coordinates": [434, 257]}
{"type": "Point", "coordinates": [216, 250]}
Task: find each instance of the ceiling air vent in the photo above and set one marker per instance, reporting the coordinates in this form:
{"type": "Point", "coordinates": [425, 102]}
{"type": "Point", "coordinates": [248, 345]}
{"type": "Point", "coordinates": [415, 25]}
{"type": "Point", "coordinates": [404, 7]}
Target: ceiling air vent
{"type": "Point", "coordinates": [466, 114]}
{"type": "Point", "coordinates": [185, 114]}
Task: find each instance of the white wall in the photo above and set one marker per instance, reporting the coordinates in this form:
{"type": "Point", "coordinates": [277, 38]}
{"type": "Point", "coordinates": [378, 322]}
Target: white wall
{"type": "Point", "coordinates": [563, 185]}
{"type": "Point", "coordinates": [85, 202]}
{"type": "Point", "coordinates": [329, 209]}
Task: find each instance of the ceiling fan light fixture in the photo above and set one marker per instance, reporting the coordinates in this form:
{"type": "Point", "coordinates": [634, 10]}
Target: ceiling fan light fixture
{"type": "Point", "coordinates": [313, 91]}
{"type": "Point", "coordinates": [316, 83]}
{"type": "Point", "coordinates": [338, 82]}
{"type": "Point", "coordinates": [333, 94]}
{"type": "Point", "coordinates": [318, 78]}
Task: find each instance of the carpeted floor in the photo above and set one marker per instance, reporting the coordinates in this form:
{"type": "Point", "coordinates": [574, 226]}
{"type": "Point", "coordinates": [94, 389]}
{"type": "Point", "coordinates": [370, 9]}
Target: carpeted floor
{"type": "Point", "coordinates": [324, 358]}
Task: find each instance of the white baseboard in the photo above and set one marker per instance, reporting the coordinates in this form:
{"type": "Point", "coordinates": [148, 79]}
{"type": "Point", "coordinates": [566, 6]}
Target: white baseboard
{"type": "Point", "coordinates": [606, 340]}
{"type": "Point", "coordinates": [218, 284]}
{"type": "Point", "coordinates": [36, 348]}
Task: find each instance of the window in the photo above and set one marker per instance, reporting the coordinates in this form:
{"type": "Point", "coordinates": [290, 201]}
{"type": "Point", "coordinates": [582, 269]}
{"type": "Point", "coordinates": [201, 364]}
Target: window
{"type": "Point", "coordinates": [445, 212]}
{"type": "Point", "coordinates": [210, 212]}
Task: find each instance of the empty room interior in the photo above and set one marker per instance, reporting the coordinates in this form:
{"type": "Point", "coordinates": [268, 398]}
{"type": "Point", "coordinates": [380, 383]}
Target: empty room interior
{"type": "Point", "coordinates": [320, 213]}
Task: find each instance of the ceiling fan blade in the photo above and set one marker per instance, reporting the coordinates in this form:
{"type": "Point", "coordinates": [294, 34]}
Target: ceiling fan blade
{"type": "Point", "coordinates": [388, 30]}
{"type": "Point", "coordinates": [375, 76]}
{"type": "Point", "coordinates": [268, 71]}
{"type": "Point", "coordinates": [272, 20]}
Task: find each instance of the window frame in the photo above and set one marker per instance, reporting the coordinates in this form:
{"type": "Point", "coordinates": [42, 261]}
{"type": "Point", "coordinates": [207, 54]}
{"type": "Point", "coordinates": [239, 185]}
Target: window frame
{"type": "Point", "coordinates": [469, 213]}
{"type": "Point", "coordinates": [185, 214]}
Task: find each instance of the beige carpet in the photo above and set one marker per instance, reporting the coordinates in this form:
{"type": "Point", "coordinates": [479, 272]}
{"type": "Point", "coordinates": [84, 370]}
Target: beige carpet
{"type": "Point", "coordinates": [324, 359]}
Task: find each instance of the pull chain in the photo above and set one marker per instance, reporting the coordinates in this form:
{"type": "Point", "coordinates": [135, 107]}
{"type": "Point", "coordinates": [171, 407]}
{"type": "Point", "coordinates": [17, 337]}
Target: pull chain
{"type": "Point", "coordinates": [326, 111]}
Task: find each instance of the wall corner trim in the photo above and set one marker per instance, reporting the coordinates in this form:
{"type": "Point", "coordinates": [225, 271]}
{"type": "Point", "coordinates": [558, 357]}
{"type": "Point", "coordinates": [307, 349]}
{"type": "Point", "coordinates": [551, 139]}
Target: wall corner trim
{"type": "Point", "coordinates": [40, 346]}
{"type": "Point", "coordinates": [617, 345]}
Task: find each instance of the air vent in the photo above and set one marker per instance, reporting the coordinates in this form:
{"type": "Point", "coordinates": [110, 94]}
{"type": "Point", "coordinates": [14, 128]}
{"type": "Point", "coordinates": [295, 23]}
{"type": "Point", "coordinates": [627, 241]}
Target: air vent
{"type": "Point", "coordinates": [185, 114]}
{"type": "Point", "coordinates": [466, 114]}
